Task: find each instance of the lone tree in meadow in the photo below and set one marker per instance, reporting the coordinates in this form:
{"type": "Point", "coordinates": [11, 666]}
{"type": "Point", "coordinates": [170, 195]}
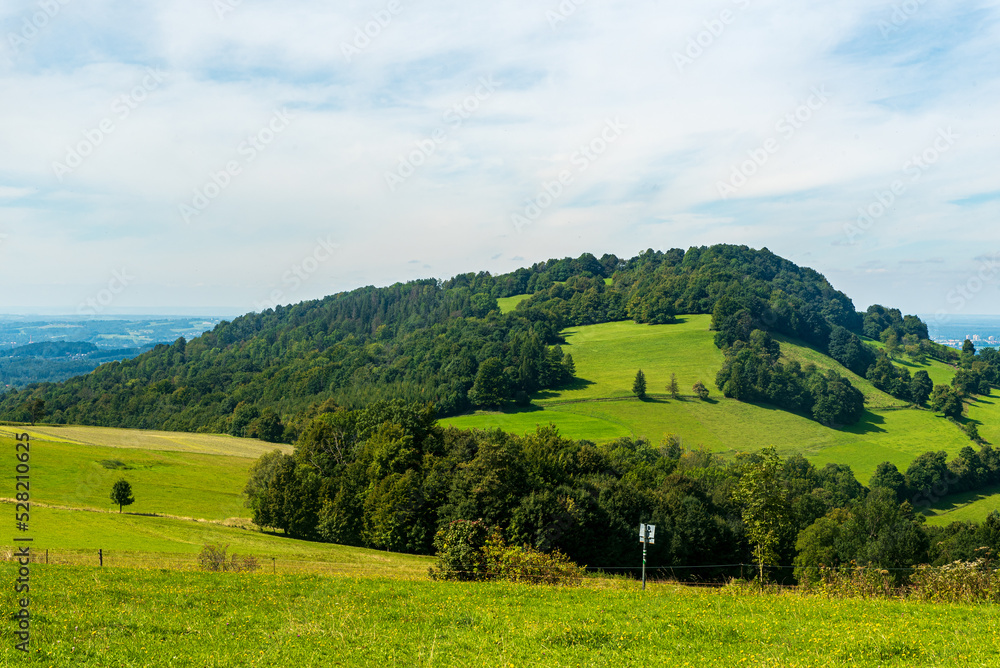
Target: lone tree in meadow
{"type": "Point", "coordinates": [673, 388]}
{"type": "Point", "coordinates": [947, 400]}
{"type": "Point", "coordinates": [121, 494]}
{"type": "Point", "coordinates": [763, 505]}
{"type": "Point", "coordinates": [700, 389]}
{"type": "Point", "coordinates": [639, 385]}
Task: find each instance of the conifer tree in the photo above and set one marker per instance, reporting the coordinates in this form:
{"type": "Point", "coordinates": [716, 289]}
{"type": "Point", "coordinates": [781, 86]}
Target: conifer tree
{"type": "Point", "coordinates": [639, 385]}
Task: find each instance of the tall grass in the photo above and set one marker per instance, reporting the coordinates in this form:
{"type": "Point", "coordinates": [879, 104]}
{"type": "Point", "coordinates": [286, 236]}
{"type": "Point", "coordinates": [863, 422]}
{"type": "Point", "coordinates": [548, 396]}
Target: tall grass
{"type": "Point", "coordinates": [90, 617]}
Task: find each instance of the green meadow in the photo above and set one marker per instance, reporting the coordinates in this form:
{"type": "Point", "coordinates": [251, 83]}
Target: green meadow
{"type": "Point", "coordinates": [600, 405]}
{"type": "Point", "coordinates": [965, 507]}
{"type": "Point", "coordinates": [183, 501]}
{"type": "Point", "coordinates": [163, 482]}
{"type": "Point", "coordinates": [974, 506]}
{"type": "Point", "coordinates": [508, 304]}
{"type": "Point", "coordinates": [74, 537]}
{"type": "Point", "coordinates": [90, 617]}
{"type": "Point", "coordinates": [143, 439]}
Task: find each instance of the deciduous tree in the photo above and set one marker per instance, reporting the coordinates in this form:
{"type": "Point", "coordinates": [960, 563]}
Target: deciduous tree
{"type": "Point", "coordinates": [36, 410]}
{"type": "Point", "coordinates": [121, 494]}
{"type": "Point", "coordinates": [491, 386]}
{"type": "Point", "coordinates": [763, 505]}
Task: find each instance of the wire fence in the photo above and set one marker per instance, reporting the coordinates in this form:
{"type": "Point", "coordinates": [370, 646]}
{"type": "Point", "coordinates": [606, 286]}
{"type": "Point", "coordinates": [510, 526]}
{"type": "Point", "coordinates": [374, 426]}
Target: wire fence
{"type": "Point", "coordinates": [695, 575]}
{"type": "Point", "coordinates": [283, 565]}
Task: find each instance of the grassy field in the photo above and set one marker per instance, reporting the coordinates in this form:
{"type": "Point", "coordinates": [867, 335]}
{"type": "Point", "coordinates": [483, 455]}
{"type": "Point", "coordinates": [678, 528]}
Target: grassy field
{"type": "Point", "coordinates": [75, 536]}
{"type": "Point", "coordinates": [99, 617]}
{"type": "Point", "coordinates": [177, 441]}
{"type": "Point", "coordinates": [608, 355]}
{"type": "Point", "coordinates": [72, 515]}
{"type": "Point", "coordinates": [163, 482]}
{"type": "Point", "coordinates": [965, 507]}
{"type": "Point", "coordinates": [508, 304]}
{"type": "Point", "coordinates": [600, 406]}
{"type": "Point", "coordinates": [985, 411]}
{"type": "Point", "coordinates": [874, 397]}
{"type": "Point", "coordinates": [974, 506]}
{"type": "Point", "coordinates": [571, 424]}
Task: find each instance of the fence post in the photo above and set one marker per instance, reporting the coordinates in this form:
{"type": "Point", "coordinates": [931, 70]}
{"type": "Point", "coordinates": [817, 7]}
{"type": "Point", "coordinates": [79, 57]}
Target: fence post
{"type": "Point", "coordinates": [274, 568]}
{"type": "Point", "coordinates": [46, 556]}
{"type": "Point", "coordinates": [100, 555]}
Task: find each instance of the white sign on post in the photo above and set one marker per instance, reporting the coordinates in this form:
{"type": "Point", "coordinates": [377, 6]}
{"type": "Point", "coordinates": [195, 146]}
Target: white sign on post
{"type": "Point", "coordinates": [646, 534]}
{"type": "Point", "coordinates": [647, 531]}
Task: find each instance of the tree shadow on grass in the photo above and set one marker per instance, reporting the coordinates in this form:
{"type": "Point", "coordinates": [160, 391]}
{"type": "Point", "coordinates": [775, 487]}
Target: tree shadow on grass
{"type": "Point", "coordinates": [554, 393]}
{"type": "Point", "coordinates": [514, 410]}
{"type": "Point", "coordinates": [909, 364]}
{"type": "Point", "coordinates": [954, 501]}
{"type": "Point", "coordinates": [868, 424]}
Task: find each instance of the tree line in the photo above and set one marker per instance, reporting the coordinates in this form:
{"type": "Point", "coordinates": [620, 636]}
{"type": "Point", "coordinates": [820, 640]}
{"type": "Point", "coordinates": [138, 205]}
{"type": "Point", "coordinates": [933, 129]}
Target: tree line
{"type": "Point", "coordinates": [389, 477]}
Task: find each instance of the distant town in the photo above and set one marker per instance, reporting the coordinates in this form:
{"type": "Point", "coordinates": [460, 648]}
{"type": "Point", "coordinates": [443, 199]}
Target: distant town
{"type": "Point", "coordinates": [979, 341]}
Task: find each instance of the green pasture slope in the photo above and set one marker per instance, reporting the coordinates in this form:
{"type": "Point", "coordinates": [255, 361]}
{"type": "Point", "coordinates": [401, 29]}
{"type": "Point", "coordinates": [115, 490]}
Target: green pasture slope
{"type": "Point", "coordinates": [974, 506]}
{"type": "Point", "coordinates": [508, 304]}
{"type": "Point", "coordinates": [600, 405]}
{"type": "Point", "coordinates": [163, 482]}
{"type": "Point", "coordinates": [91, 617]}
{"type": "Point", "coordinates": [139, 541]}
{"type": "Point", "coordinates": [145, 439]}
{"type": "Point", "coordinates": [184, 501]}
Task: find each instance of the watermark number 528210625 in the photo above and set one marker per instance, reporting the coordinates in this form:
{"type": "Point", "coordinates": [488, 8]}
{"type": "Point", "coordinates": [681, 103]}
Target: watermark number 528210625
{"type": "Point", "coordinates": [22, 517]}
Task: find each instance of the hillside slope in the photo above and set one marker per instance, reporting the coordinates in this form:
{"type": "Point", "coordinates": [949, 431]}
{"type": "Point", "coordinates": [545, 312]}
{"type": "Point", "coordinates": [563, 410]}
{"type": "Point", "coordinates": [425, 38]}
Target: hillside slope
{"type": "Point", "coordinates": [265, 375]}
{"type": "Point", "coordinates": [600, 406]}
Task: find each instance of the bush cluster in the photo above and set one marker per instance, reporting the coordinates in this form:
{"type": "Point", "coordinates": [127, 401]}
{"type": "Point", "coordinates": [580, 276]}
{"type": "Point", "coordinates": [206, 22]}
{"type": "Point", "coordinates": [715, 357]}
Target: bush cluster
{"type": "Point", "coordinates": [468, 550]}
{"type": "Point", "coordinates": [213, 558]}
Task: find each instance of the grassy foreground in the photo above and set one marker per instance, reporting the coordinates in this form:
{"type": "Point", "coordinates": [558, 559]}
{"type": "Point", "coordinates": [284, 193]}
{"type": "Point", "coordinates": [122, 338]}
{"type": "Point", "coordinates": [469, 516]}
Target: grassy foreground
{"type": "Point", "coordinates": [121, 617]}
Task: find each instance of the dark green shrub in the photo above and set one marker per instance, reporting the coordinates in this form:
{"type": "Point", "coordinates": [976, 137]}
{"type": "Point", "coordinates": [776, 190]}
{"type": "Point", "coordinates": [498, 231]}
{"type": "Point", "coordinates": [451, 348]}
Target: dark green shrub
{"type": "Point", "coordinates": [470, 550]}
{"type": "Point", "coordinates": [524, 564]}
{"type": "Point", "coordinates": [459, 549]}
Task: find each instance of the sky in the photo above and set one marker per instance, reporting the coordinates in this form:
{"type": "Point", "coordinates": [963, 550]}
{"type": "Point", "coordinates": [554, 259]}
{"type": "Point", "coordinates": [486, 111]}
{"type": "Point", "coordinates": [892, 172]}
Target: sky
{"type": "Point", "coordinates": [224, 156]}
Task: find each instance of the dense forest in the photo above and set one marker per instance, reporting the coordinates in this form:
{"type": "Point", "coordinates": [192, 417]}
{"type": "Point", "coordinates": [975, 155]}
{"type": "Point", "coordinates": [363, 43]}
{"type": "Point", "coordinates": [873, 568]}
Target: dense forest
{"type": "Point", "coordinates": [388, 477]}
{"type": "Point", "coordinates": [446, 343]}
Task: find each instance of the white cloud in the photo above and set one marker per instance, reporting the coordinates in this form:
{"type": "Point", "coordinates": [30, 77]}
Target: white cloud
{"type": "Point", "coordinates": [657, 185]}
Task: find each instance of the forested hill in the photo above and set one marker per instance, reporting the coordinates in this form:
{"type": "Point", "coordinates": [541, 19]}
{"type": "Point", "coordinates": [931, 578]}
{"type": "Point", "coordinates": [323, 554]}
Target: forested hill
{"type": "Point", "coordinates": [267, 374]}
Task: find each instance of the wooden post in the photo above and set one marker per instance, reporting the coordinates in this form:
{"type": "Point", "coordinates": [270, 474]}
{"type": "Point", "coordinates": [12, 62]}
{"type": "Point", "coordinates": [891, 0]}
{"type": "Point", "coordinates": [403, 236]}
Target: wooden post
{"type": "Point", "coordinates": [46, 556]}
{"type": "Point", "coordinates": [274, 568]}
{"type": "Point", "coordinates": [100, 555]}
